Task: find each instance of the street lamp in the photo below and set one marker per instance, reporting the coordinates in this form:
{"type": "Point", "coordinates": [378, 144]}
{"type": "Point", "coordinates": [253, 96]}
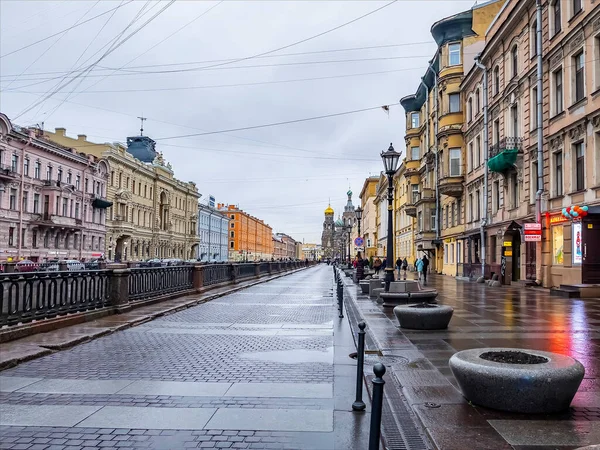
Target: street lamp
{"type": "Point", "coordinates": [390, 163]}
{"type": "Point", "coordinates": [360, 270]}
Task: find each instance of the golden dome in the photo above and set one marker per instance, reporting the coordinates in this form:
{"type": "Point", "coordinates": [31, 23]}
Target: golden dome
{"type": "Point", "coordinates": [329, 210]}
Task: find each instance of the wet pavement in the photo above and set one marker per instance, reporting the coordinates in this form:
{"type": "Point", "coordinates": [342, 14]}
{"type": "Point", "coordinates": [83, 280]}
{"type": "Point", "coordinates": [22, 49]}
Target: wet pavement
{"type": "Point", "coordinates": [515, 317]}
{"type": "Point", "coordinates": [264, 367]}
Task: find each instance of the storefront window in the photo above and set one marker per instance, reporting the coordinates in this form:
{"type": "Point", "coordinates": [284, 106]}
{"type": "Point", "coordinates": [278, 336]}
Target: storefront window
{"type": "Point", "coordinates": [557, 245]}
{"type": "Point", "coordinates": [577, 244]}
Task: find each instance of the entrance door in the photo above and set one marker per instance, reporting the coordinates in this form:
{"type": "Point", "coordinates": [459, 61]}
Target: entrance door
{"type": "Point", "coordinates": [516, 258]}
{"type": "Point", "coordinates": [530, 260]}
{"type": "Point", "coordinates": [590, 269]}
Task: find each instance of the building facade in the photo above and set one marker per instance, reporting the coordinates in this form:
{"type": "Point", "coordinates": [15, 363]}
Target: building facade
{"type": "Point", "coordinates": [435, 150]}
{"type": "Point", "coordinates": [369, 215]}
{"type": "Point", "coordinates": [570, 146]}
{"type": "Point", "coordinates": [284, 247]}
{"type": "Point", "coordinates": [250, 239]}
{"type": "Point", "coordinates": [213, 230]}
{"type": "Point", "coordinates": [153, 215]}
{"type": "Point", "coordinates": [312, 252]}
{"type": "Point", "coordinates": [52, 198]}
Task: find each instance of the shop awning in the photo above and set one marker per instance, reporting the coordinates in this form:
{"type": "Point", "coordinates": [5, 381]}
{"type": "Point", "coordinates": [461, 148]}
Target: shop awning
{"type": "Point", "coordinates": [101, 203]}
{"type": "Point", "coordinates": [503, 160]}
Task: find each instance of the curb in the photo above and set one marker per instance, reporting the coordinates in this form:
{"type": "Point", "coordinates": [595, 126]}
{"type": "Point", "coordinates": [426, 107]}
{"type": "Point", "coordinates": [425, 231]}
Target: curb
{"type": "Point", "coordinates": [48, 349]}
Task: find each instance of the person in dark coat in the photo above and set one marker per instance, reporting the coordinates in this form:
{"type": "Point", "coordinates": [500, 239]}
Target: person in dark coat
{"type": "Point", "coordinates": [425, 267]}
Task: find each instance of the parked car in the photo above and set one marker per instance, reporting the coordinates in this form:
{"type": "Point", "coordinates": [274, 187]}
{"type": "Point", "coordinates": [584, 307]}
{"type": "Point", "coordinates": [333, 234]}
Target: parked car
{"type": "Point", "coordinates": [73, 265]}
{"type": "Point", "coordinates": [26, 266]}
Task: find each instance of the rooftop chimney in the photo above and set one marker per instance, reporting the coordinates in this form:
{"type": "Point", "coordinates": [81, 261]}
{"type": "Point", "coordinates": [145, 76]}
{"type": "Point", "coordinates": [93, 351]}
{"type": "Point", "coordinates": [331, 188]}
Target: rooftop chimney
{"type": "Point", "coordinates": [81, 137]}
{"type": "Point", "coordinates": [60, 131]}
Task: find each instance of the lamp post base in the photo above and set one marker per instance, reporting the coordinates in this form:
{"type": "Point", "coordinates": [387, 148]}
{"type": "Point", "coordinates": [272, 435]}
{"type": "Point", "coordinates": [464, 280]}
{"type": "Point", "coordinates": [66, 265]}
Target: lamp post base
{"type": "Point", "coordinates": [389, 277]}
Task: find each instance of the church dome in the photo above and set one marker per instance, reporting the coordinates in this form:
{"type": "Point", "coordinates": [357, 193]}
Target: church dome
{"type": "Point", "coordinates": [339, 222]}
{"type": "Point", "coordinates": [349, 193]}
{"type": "Point", "coordinates": [329, 210]}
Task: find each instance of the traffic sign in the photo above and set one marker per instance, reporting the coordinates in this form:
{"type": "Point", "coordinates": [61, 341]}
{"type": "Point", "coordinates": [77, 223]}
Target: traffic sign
{"type": "Point", "coordinates": [359, 241]}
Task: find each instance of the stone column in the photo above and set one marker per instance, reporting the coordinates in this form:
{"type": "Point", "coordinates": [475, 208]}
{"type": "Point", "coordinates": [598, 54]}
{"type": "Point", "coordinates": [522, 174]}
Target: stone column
{"type": "Point", "coordinates": [198, 277]}
{"type": "Point", "coordinates": [119, 289]}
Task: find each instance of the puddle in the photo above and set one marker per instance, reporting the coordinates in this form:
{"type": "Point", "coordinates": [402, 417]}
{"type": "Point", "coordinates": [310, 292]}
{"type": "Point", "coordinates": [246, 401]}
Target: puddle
{"type": "Point", "coordinates": [292, 356]}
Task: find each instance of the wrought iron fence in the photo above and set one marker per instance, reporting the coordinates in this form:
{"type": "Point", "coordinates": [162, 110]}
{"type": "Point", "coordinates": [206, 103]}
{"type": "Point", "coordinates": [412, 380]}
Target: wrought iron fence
{"type": "Point", "coordinates": [31, 296]}
{"type": "Point", "coordinates": [264, 267]}
{"type": "Point", "coordinates": [214, 274]}
{"type": "Point", "coordinates": [147, 283]}
{"type": "Point", "coordinates": [246, 270]}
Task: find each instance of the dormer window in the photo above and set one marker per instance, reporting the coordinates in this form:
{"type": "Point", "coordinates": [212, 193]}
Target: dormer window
{"type": "Point", "coordinates": [454, 54]}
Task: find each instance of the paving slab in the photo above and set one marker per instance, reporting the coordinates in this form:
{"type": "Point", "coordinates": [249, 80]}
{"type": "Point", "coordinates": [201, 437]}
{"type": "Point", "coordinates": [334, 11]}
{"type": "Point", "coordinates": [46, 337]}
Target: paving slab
{"type": "Point", "coordinates": [71, 386]}
{"type": "Point", "coordinates": [282, 390]}
{"type": "Point", "coordinates": [148, 418]}
{"type": "Point", "coordinates": [272, 420]}
{"type": "Point", "coordinates": [44, 415]}
{"type": "Point", "coordinates": [175, 388]}
{"type": "Point", "coordinates": [10, 384]}
{"type": "Point", "coordinates": [548, 432]}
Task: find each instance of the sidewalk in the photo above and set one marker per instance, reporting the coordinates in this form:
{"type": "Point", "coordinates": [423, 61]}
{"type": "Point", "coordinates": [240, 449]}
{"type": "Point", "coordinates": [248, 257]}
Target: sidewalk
{"type": "Point", "coordinates": [265, 367]}
{"type": "Point", "coordinates": [490, 317]}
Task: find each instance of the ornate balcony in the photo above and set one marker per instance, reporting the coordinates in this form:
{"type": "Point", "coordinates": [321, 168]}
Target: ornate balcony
{"type": "Point", "coordinates": [8, 172]}
{"type": "Point", "coordinates": [425, 196]}
{"type": "Point", "coordinates": [504, 154]}
{"type": "Point", "coordinates": [53, 220]}
{"type": "Point", "coordinates": [452, 186]}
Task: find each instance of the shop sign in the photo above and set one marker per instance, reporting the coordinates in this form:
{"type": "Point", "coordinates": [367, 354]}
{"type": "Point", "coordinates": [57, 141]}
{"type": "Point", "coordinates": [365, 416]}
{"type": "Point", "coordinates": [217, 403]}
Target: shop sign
{"type": "Point", "coordinates": [577, 244]}
{"type": "Point", "coordinates": [507, 244]}
{"type": "Point", "coordinates": [557, 218]}
{"type": "Point", "coordinates": [507, 252]}
{"type": "Point", "coordinates": [533, 232]}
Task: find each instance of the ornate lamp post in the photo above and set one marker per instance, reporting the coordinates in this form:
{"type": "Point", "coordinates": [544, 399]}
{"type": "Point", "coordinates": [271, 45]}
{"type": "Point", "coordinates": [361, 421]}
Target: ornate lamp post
{"type": "Point", "coordinates": [358, 213]}
{"type": "Point", "coordinates": [360, 270]}
{"type": "Point", "coordinates": [390, 163]}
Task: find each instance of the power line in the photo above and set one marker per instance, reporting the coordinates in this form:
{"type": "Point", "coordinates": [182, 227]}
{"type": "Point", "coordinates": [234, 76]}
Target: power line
{"type": "Point", "coordinates": [277, 123]}
{"type": "Point", "coordinates": [66, 29]}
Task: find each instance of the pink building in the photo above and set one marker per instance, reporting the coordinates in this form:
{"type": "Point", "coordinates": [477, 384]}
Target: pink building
{"type": "Point", "coordinates": [52, 199]}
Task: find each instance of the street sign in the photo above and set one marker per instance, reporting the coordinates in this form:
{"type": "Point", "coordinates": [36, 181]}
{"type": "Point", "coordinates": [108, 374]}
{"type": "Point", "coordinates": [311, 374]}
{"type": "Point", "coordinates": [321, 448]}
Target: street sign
{"type": "Point", "coordinates": [532, 232]}
{"type": "Point", "coordinates": [533, 226]}
{"type": "Point", "coordinates": [533, 238]}
{"type": "Point", "coordinates": [359, 241]}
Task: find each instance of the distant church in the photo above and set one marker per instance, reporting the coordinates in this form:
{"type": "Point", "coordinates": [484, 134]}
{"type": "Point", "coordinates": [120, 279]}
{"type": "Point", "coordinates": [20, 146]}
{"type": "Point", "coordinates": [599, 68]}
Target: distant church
{"type": "Point", "coordinates": [334, 241]}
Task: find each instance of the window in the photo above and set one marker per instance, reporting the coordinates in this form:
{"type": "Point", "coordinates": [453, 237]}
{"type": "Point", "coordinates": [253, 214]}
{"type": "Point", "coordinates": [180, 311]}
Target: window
{"type": "Point", "coordinates": [557, 79]}
{"type": "Point", "coordinates": [533, 109]}
{"type": "Point", "coordinates": [496, 196]}
{"type": "Point", "coordinates": [514, 182]}
{"type": "Point", "coordinates": [36, 203]}
{"type": "Point", "coordinates": [557, 245]}
{"type": "Point", "coordinates": [26, 167]}
{"type": "Point", "coordinates": [558, 173]}
{"type": "Point", "coordinates": [454, 54]}
{"type": "Point", "coordinates": [12, 204]}
{"type": "Point", "coordinates": [579, 166]}
{"type": "Point", "coordinates": [514, 119]}
{"type": "Point", "coordinates": [496, 131]}
{"type": "Point", "coordinates": [433, 219]}
{"type": "Point", "coordinates": [454, 101]}
{"type": "Point", "coordinates": [37, 168]}
{"type": "Point", "coordinates": [65, 207]}
{"type": "Point", "coordinates": [533, 180]}
{"type": "Point", "coordinates": [87, 185]}
{"type": "Point", "coordinates": [470, 158]}
{"type": "Point", "coordinates": [419, 221]}
{"type": "Point", "coordinates": [478, 151]}
{"type": "Point", "coordinates": [11, 236]}
{"type": "Point", "coordinates": [452, 253]}
{"type": "Point", "coordinates": [59, 174]}
{"type": "Point", "coordinates": [414, 120]}
{"type": "Point", "coordinates": [415, 193]}
{"type": "Point", "coordinates": [496, 80]}
{"type": "Point", "coordinates": [453, 214]}
{"type": "Point", "coordinates": [579, 87]}
{"type": "Point", "coordinates": [455, 162]}
{"type": "Point", "coordinates": [77, 182]}
{"type": "Point", "coordinates": [231, 244]}
{"type": "Point", "coordinates": [555, 17]}
{"type": "Point", "coordinates": [576, 7]}
{"type": "Point", "coordinates": [49, 173]}
{"type": "Point", "coordinates": [34, 235]}
{"type": "Point", "coordinates": [533, 38]}
{"type": "Point", "coordinates": [232, 225]}
{"type": "Point", "coordinates": [470, 109]}
{"type": "Point", "coordinates": [477, 102]}
{"type": "Point", "coordinates": [514, 59]}
{"type": "Point", "coordinates": [232, 234]}
{"type": "Point", "coordinates": [477, 205]}
{"type": "Point", "coordinates": [77, 210]}
{"type": "Point", "coordinates": [69, 177]}
{"type": "Point", "coordinates": [445, 253]}
{"type": "Point", "coordinates": [458, 211]}
{"type": "Point", "coordinates": [415, 153]}
{"type": "Point", "coordinates": [470, 207]}
{"type": "Point", "coordinates": [25, 200]}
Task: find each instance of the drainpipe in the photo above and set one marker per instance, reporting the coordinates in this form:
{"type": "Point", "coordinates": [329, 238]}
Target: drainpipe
{"type": "Point", "coordinates": [20, 205]}
{"type": "Point", "coordinates": [540, 137]}
{"type": "Point", "coordinates": [484, 220]}
{"type": "Point", "coordinates": [437, 173]}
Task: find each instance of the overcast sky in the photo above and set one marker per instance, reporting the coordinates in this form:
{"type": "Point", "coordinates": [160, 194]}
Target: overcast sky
{"type": "Point", "coordinates": [283, 174]}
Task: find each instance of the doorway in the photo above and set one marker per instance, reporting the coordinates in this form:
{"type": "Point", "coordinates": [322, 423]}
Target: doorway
{"type": "Point", "coordinates": [590, 269]}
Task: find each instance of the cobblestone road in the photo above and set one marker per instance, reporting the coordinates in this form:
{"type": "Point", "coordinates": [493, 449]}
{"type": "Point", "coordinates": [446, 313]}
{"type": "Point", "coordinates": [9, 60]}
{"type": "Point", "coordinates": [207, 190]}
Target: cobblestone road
{"type": "Point", "coordinates": [265, 367]}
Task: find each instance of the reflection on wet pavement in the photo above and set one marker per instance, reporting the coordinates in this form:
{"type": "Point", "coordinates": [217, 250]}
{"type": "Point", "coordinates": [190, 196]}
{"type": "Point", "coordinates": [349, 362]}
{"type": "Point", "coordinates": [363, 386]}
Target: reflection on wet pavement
{"type": "Point", "coordinates": [293, 356]}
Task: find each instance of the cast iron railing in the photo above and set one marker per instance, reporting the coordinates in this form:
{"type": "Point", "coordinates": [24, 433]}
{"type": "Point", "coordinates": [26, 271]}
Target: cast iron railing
{"type": "Point", "coordinates": [146, 283]}
{"type": "Point", "coordinates": [214, 274]}
{"type": "Point", "coordinates": [246, 270]}
{"type": "Point", "coordinates": [37, 295]}
{"type": "Point", "coordinates": [264, 267]}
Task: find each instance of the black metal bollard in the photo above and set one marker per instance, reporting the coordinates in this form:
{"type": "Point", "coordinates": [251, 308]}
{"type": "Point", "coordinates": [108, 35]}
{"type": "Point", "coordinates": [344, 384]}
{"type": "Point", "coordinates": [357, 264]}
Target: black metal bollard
{"type": "Point", "coordinates": [377, 406]}
{"type": "Point", "coordinates": [358, 404]}
{"type": "Point", "coordinates": [341, 316]}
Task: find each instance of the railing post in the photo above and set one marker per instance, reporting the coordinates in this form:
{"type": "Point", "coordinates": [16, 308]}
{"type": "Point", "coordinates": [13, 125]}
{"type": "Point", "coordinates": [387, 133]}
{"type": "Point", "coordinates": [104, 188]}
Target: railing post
{"type": "Point", "coordinates": [377, 406]}
{"type": "Point", "coordinates": [198, 277]}
{"type": "Point", "coordinates": [257, 270]}
{"type": "Point", "coordinates": [270, 268]}
{"type": "Point", "coordinates": [358, 404]}
{"type": "Point", "coordinates": [119, 289]}
{"type": "Point", "coordinates": [234, 273]}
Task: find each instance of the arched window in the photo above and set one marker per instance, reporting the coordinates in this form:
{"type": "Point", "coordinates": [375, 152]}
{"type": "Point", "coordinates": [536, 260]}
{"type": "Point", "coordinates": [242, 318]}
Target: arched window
{"type": "Point", "coordinates": [470, 109]}
{"type": "Point", "coordinates": [496, 80]}
{"type": "Point", "coordinates": [555, 17]}
{"type": "Point", "coordinates": [477, 101]}
{"type": "Point", "coordinates": [533, 38]}
{"type": "Point", "coordinates": [514, 60]}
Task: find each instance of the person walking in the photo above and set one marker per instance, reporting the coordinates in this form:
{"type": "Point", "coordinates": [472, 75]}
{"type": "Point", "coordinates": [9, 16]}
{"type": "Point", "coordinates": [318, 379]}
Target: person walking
{"type": "Point", "coordinates": [425, 267]}
{"type": "Point", "coordinates": [399, 267]}
{"type": "Point", "coordinates": [377, 265]}
{"type": "Point", "coordinates": [419, 266]}
{"type": "Point", "coordinates": [404, 267]}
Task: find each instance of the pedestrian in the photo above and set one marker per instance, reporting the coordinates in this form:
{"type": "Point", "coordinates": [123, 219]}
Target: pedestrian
{"type": "Point", "coordinates": [425, 267]}
{"type": "Point", "coordinates": [419, 266]}
{"type": "Point", "coordinates": [377, 265]}
{"type": "Point", "coordinates": [399, 266]}
{"type": "Point", "coordinates": [404, 266]}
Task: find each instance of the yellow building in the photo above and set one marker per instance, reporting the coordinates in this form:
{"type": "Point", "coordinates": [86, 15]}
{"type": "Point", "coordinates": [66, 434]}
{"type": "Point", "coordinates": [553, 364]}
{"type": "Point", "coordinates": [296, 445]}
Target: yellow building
{"type": "Point", "coordinates": [154, 215]}
{"type": "Point", "coordinates": [403, 223]}
{"type": "Point", "coordinates": [369, 220]}
{"type": "Point", "coordinates": [435, 150]}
